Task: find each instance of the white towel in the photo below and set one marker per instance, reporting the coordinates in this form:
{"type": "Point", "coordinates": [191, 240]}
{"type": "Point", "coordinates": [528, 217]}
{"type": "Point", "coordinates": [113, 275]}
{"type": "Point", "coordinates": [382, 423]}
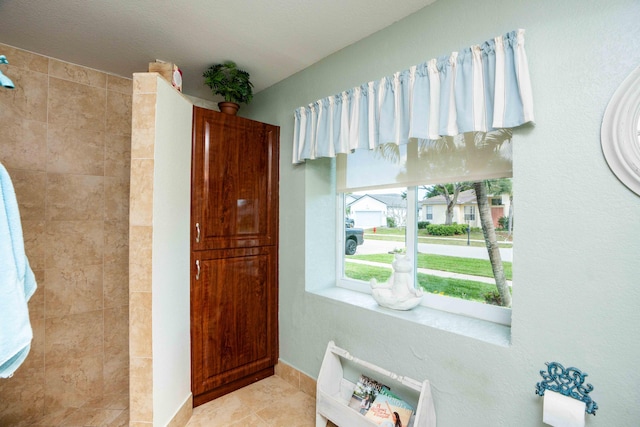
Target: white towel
{"type": "Point", "coordinates": [17, 283]}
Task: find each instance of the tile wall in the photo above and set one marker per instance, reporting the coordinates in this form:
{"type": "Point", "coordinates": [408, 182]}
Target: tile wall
{"type": "Point", "coordinates": [65, 138]}
{"type": "Point", "coordinates": [141, 232]}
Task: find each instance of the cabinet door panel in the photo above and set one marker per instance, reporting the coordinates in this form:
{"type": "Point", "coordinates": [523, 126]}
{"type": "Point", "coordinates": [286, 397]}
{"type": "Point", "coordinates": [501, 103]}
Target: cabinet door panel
{"type": "Point", "coordinates": [234, 314]}
{"type": "Point", "coordinates": [235, 178]}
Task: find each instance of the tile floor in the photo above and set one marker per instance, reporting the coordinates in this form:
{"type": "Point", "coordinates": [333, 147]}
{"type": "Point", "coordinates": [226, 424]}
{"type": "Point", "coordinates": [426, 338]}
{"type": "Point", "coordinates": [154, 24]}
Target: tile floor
{"type": "Point", "coordinates": [271, 402]}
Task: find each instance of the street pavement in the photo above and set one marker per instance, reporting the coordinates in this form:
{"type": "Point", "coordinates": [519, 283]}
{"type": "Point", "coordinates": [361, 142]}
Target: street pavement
{"type": "Point", "coordinates": [371, 246]}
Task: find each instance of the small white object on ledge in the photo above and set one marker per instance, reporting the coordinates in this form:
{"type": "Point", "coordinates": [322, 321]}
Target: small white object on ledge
{"type": "Point", "coordinates": [399, 292]}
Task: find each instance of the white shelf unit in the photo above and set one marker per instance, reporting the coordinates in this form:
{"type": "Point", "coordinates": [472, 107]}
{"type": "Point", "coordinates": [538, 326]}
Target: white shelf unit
{"type": "Point", "coordinates": [333, 392]}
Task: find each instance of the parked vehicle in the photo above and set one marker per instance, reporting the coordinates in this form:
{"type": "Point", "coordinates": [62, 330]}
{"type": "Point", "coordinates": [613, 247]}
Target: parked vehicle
{"type": "Point", "coordinates": [348, 222]}
{"type": "Point", "coordinates": [353, 238]}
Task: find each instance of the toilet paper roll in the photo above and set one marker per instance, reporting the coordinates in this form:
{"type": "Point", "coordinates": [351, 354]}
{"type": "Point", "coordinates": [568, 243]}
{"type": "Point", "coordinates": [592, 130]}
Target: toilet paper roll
{"type": "Point", "coordinates": [563, 411]}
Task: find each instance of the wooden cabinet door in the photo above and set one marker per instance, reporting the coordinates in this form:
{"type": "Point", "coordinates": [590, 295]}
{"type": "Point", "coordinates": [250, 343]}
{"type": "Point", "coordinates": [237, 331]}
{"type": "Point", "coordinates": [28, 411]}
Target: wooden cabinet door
{"type": "Point", "coordinates": [235, 182]}
{"type": "Point", "coordinates": [234, 320]}
{"type": "Point", "coordinates": [234, 253]}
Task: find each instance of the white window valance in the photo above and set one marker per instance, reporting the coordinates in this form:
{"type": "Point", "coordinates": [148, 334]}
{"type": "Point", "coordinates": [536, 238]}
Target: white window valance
{"type": "Point", "coordinates": [481, 88]}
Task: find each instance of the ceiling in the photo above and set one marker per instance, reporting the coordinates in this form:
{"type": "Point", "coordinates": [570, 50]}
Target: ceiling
{"type": "Point", "coordinates": [271, 39]}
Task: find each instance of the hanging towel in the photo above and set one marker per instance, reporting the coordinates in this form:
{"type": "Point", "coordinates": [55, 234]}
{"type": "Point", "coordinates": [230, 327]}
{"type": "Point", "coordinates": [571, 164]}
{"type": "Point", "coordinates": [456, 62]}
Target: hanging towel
{"type": "Point", "coordinates": [17, 283]}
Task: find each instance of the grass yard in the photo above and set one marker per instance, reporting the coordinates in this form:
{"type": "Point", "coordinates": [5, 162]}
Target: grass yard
{"type": "Point", "coordinates": [464, 289]}
{"type": "Point", "coordinates": [471, 266]}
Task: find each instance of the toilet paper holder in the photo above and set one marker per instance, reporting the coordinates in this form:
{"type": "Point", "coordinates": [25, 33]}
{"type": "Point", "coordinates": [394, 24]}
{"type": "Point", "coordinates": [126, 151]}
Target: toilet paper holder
{"type": "Point", "coordinates": [569, 382]}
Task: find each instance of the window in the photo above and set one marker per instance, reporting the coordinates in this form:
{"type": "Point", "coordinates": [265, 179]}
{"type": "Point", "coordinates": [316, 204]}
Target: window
{"type": "Point", "coordinates": [449, 256]}
{"type": "Point", "coordinates": [469, 213]}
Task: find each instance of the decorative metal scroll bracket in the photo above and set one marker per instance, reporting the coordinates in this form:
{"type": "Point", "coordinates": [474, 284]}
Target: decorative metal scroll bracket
{"type": "Point", "coordinates": [568, 382]}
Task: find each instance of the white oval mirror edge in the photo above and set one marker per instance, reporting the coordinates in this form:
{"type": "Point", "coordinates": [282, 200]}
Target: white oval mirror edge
{"type": "Point", "coordinates": [620, 134]}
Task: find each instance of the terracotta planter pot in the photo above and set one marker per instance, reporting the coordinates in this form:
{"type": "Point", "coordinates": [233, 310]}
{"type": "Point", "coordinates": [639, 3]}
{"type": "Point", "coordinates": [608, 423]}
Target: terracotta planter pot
{"type": "Point", "coordinates": [230, 108]}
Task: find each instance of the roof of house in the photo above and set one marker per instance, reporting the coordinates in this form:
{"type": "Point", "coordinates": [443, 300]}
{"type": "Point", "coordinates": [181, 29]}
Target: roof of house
{"type": "Point", "coordinates": [391, 199]}
{"type": "Point", "coordinates": [464, 198]}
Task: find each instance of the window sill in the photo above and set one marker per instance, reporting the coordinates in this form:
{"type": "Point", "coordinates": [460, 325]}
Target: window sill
{"type": "Point", "coordinates": [482, 330]}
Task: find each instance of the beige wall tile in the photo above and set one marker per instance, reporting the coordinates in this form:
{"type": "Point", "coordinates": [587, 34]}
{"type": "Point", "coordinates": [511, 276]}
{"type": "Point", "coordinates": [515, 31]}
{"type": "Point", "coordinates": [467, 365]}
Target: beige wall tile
{"type": "Point", "coordinates": [75, 151]}
{"type": "Point", "coordinates": [141, 391]}
{"type": "Point", "coordinates": [71, 243]}
{"type": "Point", "coordinates": [116, 241]}
{"type": "Point", "coordinates": [118, 113]}
{"type": "Point", "coordinates": [36, 359]}
{"type": "Point", "coordinates": [143, 125]}
{"type": "Point", "coordinates": [22, 396]}
{"type": "Point", "coordinates": [73, 336]}
{"type": "Point", "coordinates": [116, 331]}
{"type": "Point", "coordinates": [140, 329]}
{"type": "Point", "coordinates": [26, 60]}
{"type": "Point", "coordinates": [23, 144]}
{"type": "Point", "coordinates": [120, 84]}
{"type": "Point", "coordinates": [140, 249]}
{"type": "Point", "coordinates": [73, 290]}
{"type": "Point", "coordinates": [141, 199]}
{"type": "Point", "coordinates": [287, 373]}
{"type": "Point", "coordinates": [308, 385]}
{"type": "Point", "coordinates": [36, 303]}
{"type": "Point", "coordinates": [121, 421]}
{"type": "Point", "coordinates": [76, 73]}
{"type": "Point", "coordinates": [75, 197]}
{"type": "Point", "coordinates": [54, 418]}
{"type": "Point", "coordinates": [58, 126]}
{"type": "Point", "coordinates": [109, 401]}
{"type": "Point", "coordinates": [72, 382]}
{"type": "Point", "coordinates": [143, 143]}
{"type": "Point", "coordinates": [117, 156]}
{"type": "Point", "coordinates": [30, 189]}
{"type": "Point", "coordinates": [35, 240]}
{"type": "Point", "coordinates": [145, 83]}
{"type": "Point", "coordinates": [28, 100]}
{"type": "Point", "coordinates": [116, 374]}
{"type": "Point", "coordinates": [116, 352]}
{"type": "Point", "coordinates": [116, 199]}
{"type": "Point", "coordinates": [76, 106]}
{"type": "Point", "coordinates": [116, 284]}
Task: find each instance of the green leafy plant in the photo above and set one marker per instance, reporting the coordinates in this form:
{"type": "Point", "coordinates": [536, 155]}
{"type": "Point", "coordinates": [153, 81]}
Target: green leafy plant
{"type": "Point", "coordinates": [230, 82]}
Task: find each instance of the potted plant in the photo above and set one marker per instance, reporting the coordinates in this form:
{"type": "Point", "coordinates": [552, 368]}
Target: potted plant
{"type": "Point", "coordinates": [231, 83]}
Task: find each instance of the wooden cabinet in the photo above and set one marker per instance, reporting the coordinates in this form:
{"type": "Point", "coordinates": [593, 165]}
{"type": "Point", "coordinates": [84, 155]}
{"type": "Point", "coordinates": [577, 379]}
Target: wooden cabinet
{"type": "Point", "coordinates": [234, 253]}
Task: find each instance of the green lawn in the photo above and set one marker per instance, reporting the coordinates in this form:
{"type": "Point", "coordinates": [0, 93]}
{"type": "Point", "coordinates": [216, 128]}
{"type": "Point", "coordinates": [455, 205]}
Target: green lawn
{"type": "Point", "coordinates": [472, 266]}
{"type": "Point", "coordinates": [464, 289]}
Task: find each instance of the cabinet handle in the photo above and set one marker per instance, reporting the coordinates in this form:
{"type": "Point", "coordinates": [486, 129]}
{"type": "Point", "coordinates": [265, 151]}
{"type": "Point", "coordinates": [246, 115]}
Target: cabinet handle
{"type": "Point", "coordinates": [197, 232]}
{"type": "Point", "coordinates": [197, 269]}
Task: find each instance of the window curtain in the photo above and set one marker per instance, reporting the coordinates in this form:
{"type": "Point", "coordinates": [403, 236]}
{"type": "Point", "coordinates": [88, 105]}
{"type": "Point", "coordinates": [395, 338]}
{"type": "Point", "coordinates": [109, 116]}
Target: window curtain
{"type": "Point", "coordinates": [482, 88]}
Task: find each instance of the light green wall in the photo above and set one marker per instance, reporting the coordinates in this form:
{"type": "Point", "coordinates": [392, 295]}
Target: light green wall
{"type": "Point", "coordinates": [576, 258]}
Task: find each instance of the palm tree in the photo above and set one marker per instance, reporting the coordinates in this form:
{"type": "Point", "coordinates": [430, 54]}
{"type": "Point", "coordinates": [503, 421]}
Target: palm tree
{"type": "Point", "coordinates": [493, 140]}
{"type": "Point", "coordinates": [491, 242]}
